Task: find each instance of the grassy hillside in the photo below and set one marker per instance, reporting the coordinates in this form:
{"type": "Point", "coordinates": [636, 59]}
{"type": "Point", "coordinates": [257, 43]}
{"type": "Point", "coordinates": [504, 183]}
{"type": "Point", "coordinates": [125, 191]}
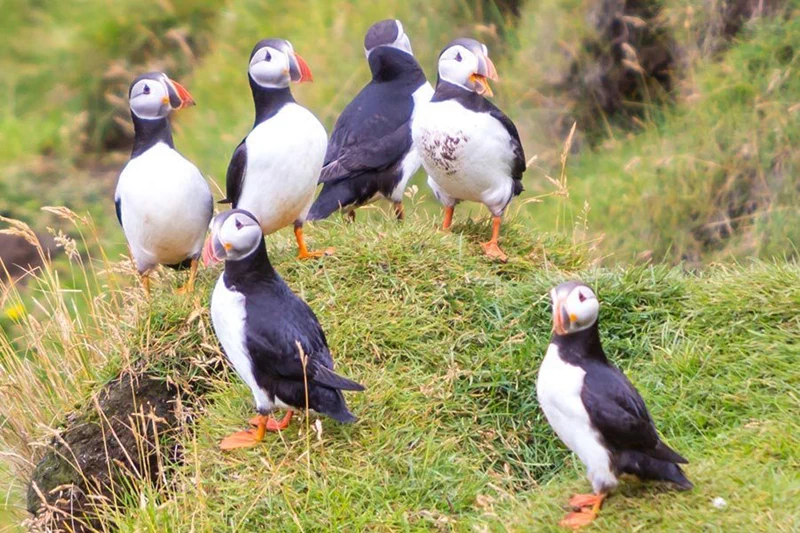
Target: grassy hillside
{"type": "Point", "coordinates": [450, 434]}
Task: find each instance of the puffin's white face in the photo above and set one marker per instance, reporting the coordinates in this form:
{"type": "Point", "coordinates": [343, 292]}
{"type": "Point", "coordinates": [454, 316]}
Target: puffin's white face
{"type": "Point", "coordinates": [380, 34]}
{"type": "Point", "coordinates": [466, 63]}
{"type": "Point", "coordinates": [575, 308]}
{"type": "Point", "coordinates": [235, 234]}
{"type": "Point", "coordinates": [154, 96]}
{"type": "Point", "coordinates": [276, 65]}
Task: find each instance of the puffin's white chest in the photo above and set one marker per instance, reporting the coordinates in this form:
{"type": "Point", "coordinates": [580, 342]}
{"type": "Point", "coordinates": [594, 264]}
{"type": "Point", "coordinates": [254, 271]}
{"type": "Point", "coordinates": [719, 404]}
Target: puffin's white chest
{"type": "Point", "coordinates": [284, 158]}
{"type": "Point", "coordinates": [166, 206]}
{"type": "Point", "coordinates": [558, 389]}
{"type": "Point", "coordinates": [412, 160]}
{"type": "Point", "coordinates": [229, 316]}
{"type": "Point", "coordinates": [467, 154]}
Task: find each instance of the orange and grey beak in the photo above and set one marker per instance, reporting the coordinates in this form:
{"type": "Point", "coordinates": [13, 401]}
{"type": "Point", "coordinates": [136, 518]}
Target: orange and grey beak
{"type": "Point", "coordinates": [486, 71]}
{"type": "Point", "coordinates": [179, 97]}
{"type": "Point", "coordinates": [298, 68]}
{"type": "Point", "coordinates": [561, 319]}
{"type": "Point", "coordinates": [214, 250]}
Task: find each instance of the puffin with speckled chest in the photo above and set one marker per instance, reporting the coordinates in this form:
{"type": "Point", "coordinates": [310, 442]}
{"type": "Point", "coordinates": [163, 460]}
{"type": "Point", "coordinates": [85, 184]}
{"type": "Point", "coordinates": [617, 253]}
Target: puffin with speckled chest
{"type": "Point", "coordinates": [470, 149]}
{"type": "Point", "coordinates": [163, 202]}
{"type": "Point", "coordinates": [370, 153]}
{"type": "Point", "coordinates": [595, 410]}
{"type": "Point", "coordinates": [273, 172]}
{"type": "Point", "coordinates": [270, 336]}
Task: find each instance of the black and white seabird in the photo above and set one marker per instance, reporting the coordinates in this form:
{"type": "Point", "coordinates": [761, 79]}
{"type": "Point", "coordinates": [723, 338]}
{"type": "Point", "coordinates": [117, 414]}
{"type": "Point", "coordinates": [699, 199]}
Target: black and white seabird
{"type": "Point", "coordinates": [371, 154]}
{"type": "Point", "coordinates": [273, 172]}
{"type": "Point", "coordinates": [470, 149]}
{"type": "Point", "coordinates": [163, 202]}
{"type": "Point", "coordinates": [262, 326]}
{"type": "Point", "coordinates": [594, 409]}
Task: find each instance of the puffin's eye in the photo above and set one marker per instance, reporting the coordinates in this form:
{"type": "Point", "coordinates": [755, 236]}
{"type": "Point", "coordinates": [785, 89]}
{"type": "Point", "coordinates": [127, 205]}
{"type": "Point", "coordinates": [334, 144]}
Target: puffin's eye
{"type": "Point", "coordinates": [458, 57]}
{"type": "Point", "coordinates": [268, 57]}
{"type": "Point", "coordinates": [239, 225]}
{"type": "Point", "coordinates": [146, 89]}
{"type": "Point", "coordinates": [581, 297]}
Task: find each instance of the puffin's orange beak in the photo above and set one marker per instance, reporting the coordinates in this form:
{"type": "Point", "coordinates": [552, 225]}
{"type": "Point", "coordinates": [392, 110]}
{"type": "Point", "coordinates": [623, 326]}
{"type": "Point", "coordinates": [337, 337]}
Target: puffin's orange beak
{"type": "Point", "coordinates": [300, 71]}
{"type": "Point", "coordinates": [184, 96]}
{"type": "Point", "coordinates": [486, 71]}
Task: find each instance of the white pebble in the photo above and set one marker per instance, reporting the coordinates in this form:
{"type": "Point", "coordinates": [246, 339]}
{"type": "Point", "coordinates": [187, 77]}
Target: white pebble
{"type": "Point", "coordinates": [719, 503]}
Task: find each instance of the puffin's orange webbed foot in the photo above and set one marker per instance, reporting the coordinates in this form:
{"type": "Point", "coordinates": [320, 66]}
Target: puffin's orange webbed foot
{"type": "Point", "coordinates": [578, 519]}
{"type": "Point", "coordinates": [241, 439]}
{"type": "Point", "coordinates": [493, 250]}
{"type": "Point", "coordinates": [589, 507]}
{"type": "Point", "coordinates": [579, 501]}
{"type": "Point", "coordinates": [316, 254]}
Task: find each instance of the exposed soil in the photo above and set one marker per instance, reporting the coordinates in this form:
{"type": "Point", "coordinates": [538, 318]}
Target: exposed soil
{"type": "Point", "coordinates": [127, 433]}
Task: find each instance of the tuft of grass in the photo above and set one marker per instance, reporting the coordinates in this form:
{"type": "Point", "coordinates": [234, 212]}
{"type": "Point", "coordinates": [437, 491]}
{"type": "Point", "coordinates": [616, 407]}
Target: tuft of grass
{"type": "Point", "coordinates": [448, 343]}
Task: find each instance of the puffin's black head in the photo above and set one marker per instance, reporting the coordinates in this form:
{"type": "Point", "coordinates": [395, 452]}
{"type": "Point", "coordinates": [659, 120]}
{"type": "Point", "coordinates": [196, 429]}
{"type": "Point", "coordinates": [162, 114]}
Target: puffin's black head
{"type": "Point", "coordinates": [575, 308]}
{"type": "Point", "coordinates": [274, 64]}
{"type": "Point", "coordinates": [466, 63]}
{"type": "Point", "coordinates": [235, 234]}
{"type": "Point", "coordinates": [154, 95]}
{"type": "Point", "coordinates": [389, 33]}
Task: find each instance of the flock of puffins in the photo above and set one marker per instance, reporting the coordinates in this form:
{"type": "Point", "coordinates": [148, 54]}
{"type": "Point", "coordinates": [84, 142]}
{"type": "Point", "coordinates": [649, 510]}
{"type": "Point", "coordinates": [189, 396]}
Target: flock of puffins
{"type": "Point", "coordinates": [470, 150]}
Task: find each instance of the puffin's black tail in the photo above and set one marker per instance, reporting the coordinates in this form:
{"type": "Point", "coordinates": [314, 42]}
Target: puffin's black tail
{"type": "Point", "coordinates": [333, 197]}
{"type": "Point", "coordinates": [646, 467]}
{"type": "Point", "coordinates": [330, 402]}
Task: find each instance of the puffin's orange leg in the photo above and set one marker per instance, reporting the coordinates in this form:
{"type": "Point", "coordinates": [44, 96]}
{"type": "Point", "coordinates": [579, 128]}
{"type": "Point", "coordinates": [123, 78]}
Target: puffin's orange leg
{"type": "Point", "coordinates": [399, 211]}
{"type": "Point", "coordinates": [146, 283]}
{"type": "Point", "coordinates": [448, 217]}
{"type": "Point", "coordinates": [303, 252]}
{"type": "Point", "coordinates": [274, 425]}
{"type": "Point", "coordinates": [585, 516]}
{"type": "Point", "coordinates": [246, 439]}
{"type": "Point", "coordinates": [189, 287]}
{"type": "Point", "coordinates": [491, 248]}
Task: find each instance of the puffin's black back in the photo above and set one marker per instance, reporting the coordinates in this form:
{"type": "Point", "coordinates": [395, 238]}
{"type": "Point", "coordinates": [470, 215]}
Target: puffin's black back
{"type": "Point", "coordinates": [372, 135]}
{"type": "Point", "coordinates": [277, 319]}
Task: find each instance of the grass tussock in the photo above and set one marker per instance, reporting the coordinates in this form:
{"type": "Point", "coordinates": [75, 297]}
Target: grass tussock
{"type": "Point", "coordinates": [450, 434]}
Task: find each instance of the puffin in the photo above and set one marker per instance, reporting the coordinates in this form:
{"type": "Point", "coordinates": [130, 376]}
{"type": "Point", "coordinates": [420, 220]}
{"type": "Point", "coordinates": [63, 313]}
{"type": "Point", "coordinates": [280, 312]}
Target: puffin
{"type": "Point", "coordinates": [470, 149]}
{"type": "Point", "coordinates": [163, 203]}
{"type": "Point", "coordinates": [270, 336]}
{"type": "Point", "coordinates": [370, 154]}
{"type": "Point", "coordinates": [273, 172]}
{"type": "Point", "coordinates": [595, 410]}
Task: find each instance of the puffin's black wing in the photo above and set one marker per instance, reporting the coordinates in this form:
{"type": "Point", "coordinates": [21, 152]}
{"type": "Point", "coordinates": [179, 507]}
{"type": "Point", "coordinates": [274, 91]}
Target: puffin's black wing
{"type": "Point", "coordinates": [118, 208]}
{"type": "Point", "coordinates": [372, 133]}
{"type": "Point", "coordinates": [618, 412]}
{"type": "Point", "coordinates": [272, 343]}
{"type": "Point", "coordinates": [519, 165]}
{"type": "Point", "coordinates": [234, 181]}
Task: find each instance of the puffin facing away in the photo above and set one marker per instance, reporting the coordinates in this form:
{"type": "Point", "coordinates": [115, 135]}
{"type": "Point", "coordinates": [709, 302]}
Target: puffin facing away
{"type": "Point", "coordinates": [163, 202]}
{"type": "Point", "coordinates": [262, 326]}
{"type": "Point", "coordinates": [595, 410]}
{"type": "Point", "coordinates": [470, 149]}
{"type": "Point", "coordinates": [370, 154]}
{"type": "Point", "coordinates": [273, 172]}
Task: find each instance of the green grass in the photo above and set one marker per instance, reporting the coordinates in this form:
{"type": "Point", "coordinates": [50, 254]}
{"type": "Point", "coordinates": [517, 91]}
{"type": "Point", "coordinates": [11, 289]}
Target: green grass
{"type": "Point", "coordinates": [450, 433]}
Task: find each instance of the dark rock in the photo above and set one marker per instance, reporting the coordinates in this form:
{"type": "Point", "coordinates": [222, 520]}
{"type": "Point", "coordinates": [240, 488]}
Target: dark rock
{"type": "Point", "coordinates": [113, 441]}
